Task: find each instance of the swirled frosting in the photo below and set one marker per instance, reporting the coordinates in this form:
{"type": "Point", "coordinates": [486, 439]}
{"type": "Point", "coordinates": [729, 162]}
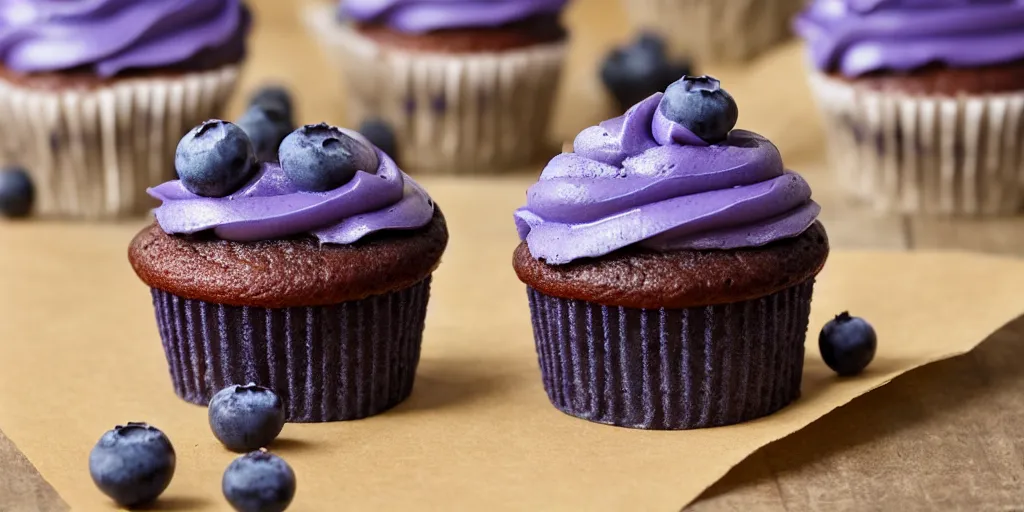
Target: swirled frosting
{"type": "Point", "coordinates": [418, 16]}
{"type": "Point", "coordinates": [855, 37]}
{"type": "Point", "coordinates": [641, 179]}
{"type": "Point", "coordinates": [271, 207]}
{"type": "Point", "coordinates": [111, 36]}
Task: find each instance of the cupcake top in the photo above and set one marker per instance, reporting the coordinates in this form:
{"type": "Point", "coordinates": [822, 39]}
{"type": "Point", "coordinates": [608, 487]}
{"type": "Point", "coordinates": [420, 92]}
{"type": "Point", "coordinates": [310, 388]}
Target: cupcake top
{"type": "Point", "coordinates": [419, 16]}
{"type": "Point", "coordinates": [334, 221]}
{"type": "Point", "coordinates": [671, 174]}
{"type": "Point", "coordinates": [331, 183]}
{"type": "Point", "coordinates": [109, 37]}
{"type": "Point", "coordinates": [856, 37]}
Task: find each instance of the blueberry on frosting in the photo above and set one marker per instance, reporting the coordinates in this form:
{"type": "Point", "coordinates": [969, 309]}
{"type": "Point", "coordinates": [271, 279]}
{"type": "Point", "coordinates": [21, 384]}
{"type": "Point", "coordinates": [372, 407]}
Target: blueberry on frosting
{"type": "Point", "coordinates": [320, 157]}
{"type": "Point", "coordinates": [215, 159]}
{"type": "Point", "coordinates": [700, 105]}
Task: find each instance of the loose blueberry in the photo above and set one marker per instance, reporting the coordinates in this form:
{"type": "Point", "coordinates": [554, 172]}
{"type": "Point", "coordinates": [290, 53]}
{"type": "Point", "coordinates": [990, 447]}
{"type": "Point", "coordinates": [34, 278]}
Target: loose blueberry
{"type": "Point", "coordinates": [702, 106]}
{"type": "Point", "coordinates": [16, 193]}
{"type": "Point", "coordinates": [215, 159]}
{"type": "Point", "coordinates": [276, 99]}
{"type": "Point", "coordinates": [847, 344]}
{"type": "Point", "coordinates": [318, 157]}
{"type": "Point", "coordinates": [132, 464]}
{"type": "Point", "coordinates": [634, 72]}
{"type": "Point", "coordinates": [266, 128]}
{"type": "Point", "coordinates": [380, 134]}
{"type": "Point", "coordinates": [259, 482]}
{"type": "Point", "coordinates": [246, 418]}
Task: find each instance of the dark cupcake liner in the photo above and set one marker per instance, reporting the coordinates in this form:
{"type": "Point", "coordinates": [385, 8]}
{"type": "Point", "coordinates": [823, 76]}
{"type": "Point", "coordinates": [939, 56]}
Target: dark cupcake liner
{"type": "Point", "coordinates": [672, 369]}
{"type": "Point", "coordinates": [329, 363]}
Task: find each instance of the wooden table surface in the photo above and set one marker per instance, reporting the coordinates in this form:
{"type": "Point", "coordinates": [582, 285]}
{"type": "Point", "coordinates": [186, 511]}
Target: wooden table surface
{"type": "Point", "coordinates": [945, 437]}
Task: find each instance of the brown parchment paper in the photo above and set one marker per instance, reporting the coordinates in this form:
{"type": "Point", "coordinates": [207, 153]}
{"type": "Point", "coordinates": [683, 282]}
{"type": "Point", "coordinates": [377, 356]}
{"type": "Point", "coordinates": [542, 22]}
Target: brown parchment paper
{"type": "Point", "coordinates": [79, 353]}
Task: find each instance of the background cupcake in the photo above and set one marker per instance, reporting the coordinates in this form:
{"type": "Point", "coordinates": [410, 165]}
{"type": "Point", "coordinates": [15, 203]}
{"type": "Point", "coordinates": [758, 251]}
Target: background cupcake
{"type": "Point", "coordinates": [95, 95]}
{"type": "Point", "coordinates": [467, 85]}
{"type": "Point", "coordinates": [670, 265]}
{"type": "Point", "coordinates": [310, 277]}
{"type": "Point", "coordinates": [922, 102]}
{"type": "Point", "coordinates": [716, 30]}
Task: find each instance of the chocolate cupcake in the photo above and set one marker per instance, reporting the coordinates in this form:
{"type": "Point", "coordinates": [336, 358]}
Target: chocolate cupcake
{"type": "Point", "coordinates": [95, 95]}
{"type": "Point", "coordinates": [669, 263]}
{"type": "Point", "coordinates": [922, 103]}
{"type": "Point", "coordinates": [310, 277]}
{"type": "Point", "coordinates": [467, 85]}
{"type": "Point", "coordinates": [716, 30]}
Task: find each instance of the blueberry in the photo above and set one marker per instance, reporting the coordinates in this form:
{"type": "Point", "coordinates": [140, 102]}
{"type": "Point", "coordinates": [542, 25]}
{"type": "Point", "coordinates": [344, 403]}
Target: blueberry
{"type": "Point", "coordinates": [276, 99]}
{"type": "Point", "coordinates": [259, 482]}
{"type": "Point", "coordinates": [633, 72]}
{"type": "Point", "coordinates": [266, 127]}
{"type": "Point", "coordinates": [318, 157]}
{"type": "Point", "coordinates": [246, 418]}
{"type": "Point", "coordinates": [702, 106]}
{"type": "Point", "coordinates": [847, 344]}
{"type": "Point", "coordinates": [215, 159]}
{"type": "Point", "coordinates": [132, 464]}
{"type": "Point", "coordinates": [16, 193]}
{"type": "Point", "coordinates": [380, 134]}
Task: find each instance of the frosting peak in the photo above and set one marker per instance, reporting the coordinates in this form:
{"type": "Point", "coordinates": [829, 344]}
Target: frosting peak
{"type": "Point", "coordinates": [111, 36]}
{"type": "Point", "coordinates": [270, 206]}
{"type": "Point", "coordinates": [855, 37]}
{"type": "Point", "coordinates": [418, 16]}
{"type": "Point", "coordinates": [644, 179]}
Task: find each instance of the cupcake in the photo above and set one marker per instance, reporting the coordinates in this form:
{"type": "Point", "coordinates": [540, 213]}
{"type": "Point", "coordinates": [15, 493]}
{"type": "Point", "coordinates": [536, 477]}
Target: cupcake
{"type": "Point", "coordinates": [716, 30]}
{"type": "Point", "coordinates": [669, 264]}
{"type": "Point", "coordinates": [95, 95]}
{"type": "Point", "coordinates": [309, 276]}
{"type": "Point", "coordinates": [467, 86]}
{"type": "Point", "coordinates": [922, 102]}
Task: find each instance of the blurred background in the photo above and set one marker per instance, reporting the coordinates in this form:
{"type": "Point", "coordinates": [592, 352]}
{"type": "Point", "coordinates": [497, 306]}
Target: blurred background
{"type": "Point", "coordinates": [771, 89]}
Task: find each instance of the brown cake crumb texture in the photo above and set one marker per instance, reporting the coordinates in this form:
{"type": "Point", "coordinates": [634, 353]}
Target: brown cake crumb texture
{"type": "Point", "coordinates": [539, 30]}
{"type": "Point", "coordinates": [641, 278]}
{"type": "Point", "coordinates": [286, 273]}
{"type": "Point", "coordinates": [945, 81]}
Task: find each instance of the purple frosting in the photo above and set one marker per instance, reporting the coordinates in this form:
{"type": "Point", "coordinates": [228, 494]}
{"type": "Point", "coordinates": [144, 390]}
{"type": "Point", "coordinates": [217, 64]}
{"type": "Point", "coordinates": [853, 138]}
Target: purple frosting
{"type": "Point", "coordinates": [855, 37]}
{"type": "Point", "coordinates": [641, 179]}
{"type": "Point", "coordinates": [270, 207]}
{"type": "Point", "coordinates": [110, 36]}
{"type": "Point", "coordinates": [418, 16]}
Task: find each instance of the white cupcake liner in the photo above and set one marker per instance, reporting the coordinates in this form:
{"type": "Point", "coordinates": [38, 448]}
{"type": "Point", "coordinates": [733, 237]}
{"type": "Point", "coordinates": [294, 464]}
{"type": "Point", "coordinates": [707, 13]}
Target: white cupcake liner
{"type": "Point", "coordinates": [466, 113]}
{"type": "Point", "coordinates": [716, 30]}
{"type": "Point", "coordinates": [92, 152]}
{"type": "Point", "coordinates": [935, 155]}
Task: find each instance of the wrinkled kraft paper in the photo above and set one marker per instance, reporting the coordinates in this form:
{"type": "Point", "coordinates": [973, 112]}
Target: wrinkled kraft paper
{"type": "Point", "coordinates": [79, 353]}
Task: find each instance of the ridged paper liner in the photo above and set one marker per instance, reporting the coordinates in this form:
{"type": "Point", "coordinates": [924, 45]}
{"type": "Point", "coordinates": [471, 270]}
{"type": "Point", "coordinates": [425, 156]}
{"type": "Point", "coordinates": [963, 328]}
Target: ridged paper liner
{"type": "Point", "coordinates": [92, 152]}
{"type": "Point", "coordinates": [452, 113]}
{"type": "Point", "coordinates": [716, 30]}
{"type": "Point", "coordinates": [672, 369]}
{"type": "Point", "coordinates": [938, 155]}
{"type": "Point", "coordinates": [329, 363]}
